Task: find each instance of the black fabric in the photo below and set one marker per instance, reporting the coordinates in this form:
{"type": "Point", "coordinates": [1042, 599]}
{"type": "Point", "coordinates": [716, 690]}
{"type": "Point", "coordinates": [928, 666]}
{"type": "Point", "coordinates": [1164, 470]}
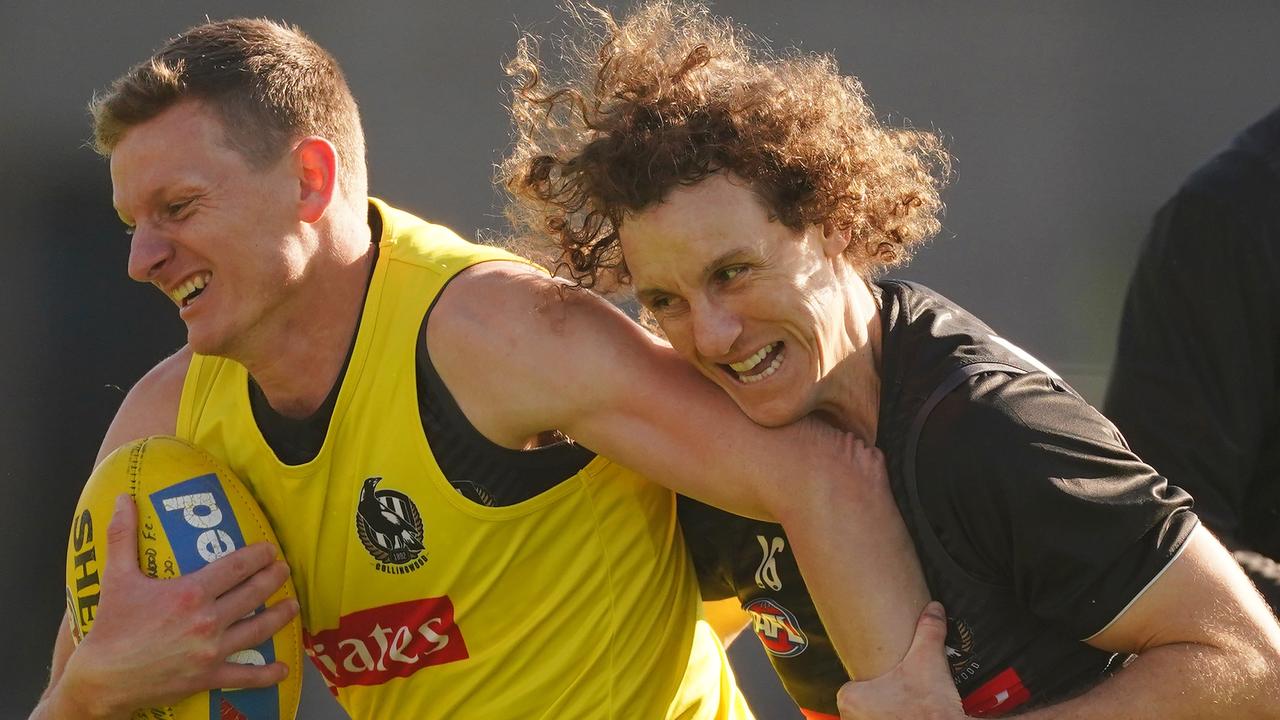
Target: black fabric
{"type": "Point", "coordinates": [484, 472]}
{"type": "Point", "coordinates": [295, 441]}
{"type": "Point", "coordinates": [1196, 382]}
{"type": "Point", "coordinates": [481, 471]}
{"type": "Point", "coordinates": [1035, 525]}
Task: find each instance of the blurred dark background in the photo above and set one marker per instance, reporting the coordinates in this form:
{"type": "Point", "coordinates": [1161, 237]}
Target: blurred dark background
{"type": "Point", "coordinates": [1070, 123]}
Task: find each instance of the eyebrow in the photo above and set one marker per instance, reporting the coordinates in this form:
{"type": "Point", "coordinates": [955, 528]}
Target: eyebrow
{"type": "Point", "coordinates": [161, 195]}
{"type": "Point", "coordinates": [646, 294]}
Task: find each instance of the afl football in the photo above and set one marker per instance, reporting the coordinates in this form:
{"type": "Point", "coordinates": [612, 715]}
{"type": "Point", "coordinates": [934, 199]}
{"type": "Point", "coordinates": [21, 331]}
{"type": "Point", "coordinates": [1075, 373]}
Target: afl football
{"type": "Point", "coordinates": [192, 510]}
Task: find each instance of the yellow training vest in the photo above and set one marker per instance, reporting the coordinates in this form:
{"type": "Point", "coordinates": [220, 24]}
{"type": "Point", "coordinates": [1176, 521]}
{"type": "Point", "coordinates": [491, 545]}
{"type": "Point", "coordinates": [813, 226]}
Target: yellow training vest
{"type": "Point", "coordinates": [417, 603]}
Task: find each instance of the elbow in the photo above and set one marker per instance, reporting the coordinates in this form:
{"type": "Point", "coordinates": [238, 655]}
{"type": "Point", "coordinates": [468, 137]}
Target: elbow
{"type": "Point", "coordinates": [1259, 667]}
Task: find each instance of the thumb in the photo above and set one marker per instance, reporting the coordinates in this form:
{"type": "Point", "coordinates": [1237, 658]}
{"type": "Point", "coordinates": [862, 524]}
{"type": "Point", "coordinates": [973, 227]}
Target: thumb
{"type": "Point", "coordinates": [122, 538]}
{"type": "Point", "coordinates": [931, 635]}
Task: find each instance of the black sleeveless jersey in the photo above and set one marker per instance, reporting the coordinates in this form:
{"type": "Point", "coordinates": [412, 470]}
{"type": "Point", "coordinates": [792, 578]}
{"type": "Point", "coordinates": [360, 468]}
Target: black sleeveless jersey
{"type": "Point", "coordinates": [1034, 523]}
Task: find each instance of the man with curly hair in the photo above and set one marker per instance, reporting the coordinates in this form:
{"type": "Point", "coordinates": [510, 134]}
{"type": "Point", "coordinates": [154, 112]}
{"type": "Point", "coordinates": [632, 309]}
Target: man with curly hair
{"type": "Point", "coordinates": [754, 202]}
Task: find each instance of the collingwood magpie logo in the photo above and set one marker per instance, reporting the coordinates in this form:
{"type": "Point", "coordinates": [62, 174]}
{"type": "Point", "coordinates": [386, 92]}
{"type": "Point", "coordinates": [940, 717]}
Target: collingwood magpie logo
{"type": "Point", "coordinates": [959, 649]}
{"type": "Point", "coordinates": [390, 528]}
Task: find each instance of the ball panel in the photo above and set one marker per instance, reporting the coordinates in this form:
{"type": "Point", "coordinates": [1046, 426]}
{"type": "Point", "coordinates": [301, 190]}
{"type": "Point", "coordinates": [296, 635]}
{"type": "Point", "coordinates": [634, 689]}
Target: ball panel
{"type": "Point", "coordinates": [192, 510]}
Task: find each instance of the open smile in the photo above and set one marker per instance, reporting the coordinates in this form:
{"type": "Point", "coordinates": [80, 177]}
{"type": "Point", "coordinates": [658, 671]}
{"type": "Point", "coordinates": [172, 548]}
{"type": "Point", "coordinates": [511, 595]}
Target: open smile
{"type": "Point", "coordinates": [186, 292]}
{"type": "Point", "coordinates": [760, 365]}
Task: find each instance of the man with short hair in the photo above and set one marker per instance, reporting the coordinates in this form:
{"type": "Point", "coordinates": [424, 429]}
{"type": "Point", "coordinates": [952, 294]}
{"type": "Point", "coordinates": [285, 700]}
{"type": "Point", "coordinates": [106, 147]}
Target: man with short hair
{"type": "Point", "coordinates": [371, 376]}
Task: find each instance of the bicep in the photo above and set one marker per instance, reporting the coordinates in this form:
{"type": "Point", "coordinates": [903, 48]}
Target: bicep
{"type": "Point", "coordinates": [1201, 597]}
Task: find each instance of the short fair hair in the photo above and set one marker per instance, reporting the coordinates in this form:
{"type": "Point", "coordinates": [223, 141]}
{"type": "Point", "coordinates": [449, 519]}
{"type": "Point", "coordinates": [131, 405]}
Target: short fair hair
{"type": "Point", "coordinates": [268, 83]}
{"type": "Point", "coordinates": [671, 94]}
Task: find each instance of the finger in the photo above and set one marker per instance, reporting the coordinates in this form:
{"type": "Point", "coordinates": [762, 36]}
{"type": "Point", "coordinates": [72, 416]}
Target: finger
{"type": "Point", "coordinates": [226, 572]}
{"type": "Point", "coordinates": [849, 701]}
{"type": "Point", "coordinates": [122, 539]}
{"type": "Point", "coordinates": [931, 634]}
{"type": "Point", "coordinates": [253, 631]}
{"type": "Point", "coordinates": [235, 675]}
{"type": "Point", "coordinates": [252, 593]}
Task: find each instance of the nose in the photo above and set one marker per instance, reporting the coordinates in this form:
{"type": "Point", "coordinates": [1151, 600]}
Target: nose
{"type": "Point", "coordinates": [148, 252]}
{"type": "Point", "coordinates": [715, 328]}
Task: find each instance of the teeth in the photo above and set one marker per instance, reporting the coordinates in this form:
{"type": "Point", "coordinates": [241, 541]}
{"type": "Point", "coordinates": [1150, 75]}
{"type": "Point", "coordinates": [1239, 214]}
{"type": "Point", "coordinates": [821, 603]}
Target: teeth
{"type": "Point", "coordinates": [773, 368]}
{"type": "Point", "coordinates": [182, 294]}
{"type": "Point", "coordinates": [745, 365]}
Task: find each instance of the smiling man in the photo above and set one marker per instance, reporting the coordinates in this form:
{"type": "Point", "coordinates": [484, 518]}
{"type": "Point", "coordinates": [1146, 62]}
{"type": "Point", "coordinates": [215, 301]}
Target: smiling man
{"type": "Point", "coordinates": [754, 201]}
{"type": "Point", "coordinates": [382, 386]}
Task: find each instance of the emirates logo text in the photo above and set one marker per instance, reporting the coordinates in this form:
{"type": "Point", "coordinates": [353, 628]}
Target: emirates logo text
{"type": "Point", "coordinates": [372, 646]}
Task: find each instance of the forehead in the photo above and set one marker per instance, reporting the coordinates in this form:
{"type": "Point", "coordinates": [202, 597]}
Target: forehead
{"type": "Point", "coordinates": [184, 145]}
{"type": "Point", "coordinates": [695, 225]}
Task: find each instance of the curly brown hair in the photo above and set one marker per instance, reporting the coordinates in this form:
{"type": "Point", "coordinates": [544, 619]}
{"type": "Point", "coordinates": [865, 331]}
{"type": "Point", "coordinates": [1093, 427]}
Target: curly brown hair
{"type": "Point", "coordinates": [672, 94]}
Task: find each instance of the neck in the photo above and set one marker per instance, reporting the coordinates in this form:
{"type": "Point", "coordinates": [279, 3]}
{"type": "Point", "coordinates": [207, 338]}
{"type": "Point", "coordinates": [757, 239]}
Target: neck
{"type": "Point", "coordinates": [306, 342]}
{"type": "Point", "coordinates": [851, 391]}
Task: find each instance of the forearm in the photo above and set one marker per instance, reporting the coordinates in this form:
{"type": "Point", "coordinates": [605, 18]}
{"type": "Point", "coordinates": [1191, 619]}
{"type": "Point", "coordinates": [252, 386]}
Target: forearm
{"type": "Point", "coordinates": [704, 447]}
{"type": "Point", "coordinates": [60, 699]}
{"type": "Point", "coordinates": [57, 707]}
{"type": "Point", "coordinates": [861, 569]}
{"type": "Point", "coordinates": [61, 702]}
{"type": "Point", "coordinates": [1191, 681]}
{"type": "Point", "coordinates": [842, 521]}
{"type": "Point", "coordinates": [833, 501]}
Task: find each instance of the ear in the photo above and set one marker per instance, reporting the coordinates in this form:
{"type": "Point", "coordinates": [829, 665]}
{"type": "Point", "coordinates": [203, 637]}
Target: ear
{"type": "Point", "coordinates": [316, 166]}
{"type": "Point", "coordinates": [835, 240]}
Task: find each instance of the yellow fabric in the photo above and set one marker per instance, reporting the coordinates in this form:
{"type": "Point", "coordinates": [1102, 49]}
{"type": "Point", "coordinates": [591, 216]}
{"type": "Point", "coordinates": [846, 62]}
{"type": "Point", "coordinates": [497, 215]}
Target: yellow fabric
{"type": "Point", "coordinates": [577, 603]}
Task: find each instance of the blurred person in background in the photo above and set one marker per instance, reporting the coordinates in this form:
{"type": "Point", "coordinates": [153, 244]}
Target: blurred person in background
{"type": "Point", "coordinates": [753, 202]}
{"type": "Point", "coordinates": [1196, 382]}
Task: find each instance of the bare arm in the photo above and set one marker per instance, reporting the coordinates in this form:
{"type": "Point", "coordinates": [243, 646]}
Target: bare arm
{"type": "Point", "coordinates": [1208, 647]}
{"type": "Point", "coordinates": [156, 641]}
{"type": "Point", "coordinates": [540, 356]}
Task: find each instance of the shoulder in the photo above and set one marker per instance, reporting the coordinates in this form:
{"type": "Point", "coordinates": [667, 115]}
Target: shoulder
{"type": "Point", "coordinates": [1228, 205]}
{"type": "Point", "coordinates": [1013, 429]}
{"type": "Point", "coordinates": [512, 296]}
{"type": "Point", "coordinates": [508, 339]}
{"type": "Point", "coordinates": [151, 406]}
{"type": "Point", "coordinates": [515, 313]}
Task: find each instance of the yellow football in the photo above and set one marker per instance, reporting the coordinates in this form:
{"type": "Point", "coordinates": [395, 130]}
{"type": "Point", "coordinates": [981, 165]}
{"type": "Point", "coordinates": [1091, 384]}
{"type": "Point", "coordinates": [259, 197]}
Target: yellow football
{"type": "Point", "coordinates": [192, 510]}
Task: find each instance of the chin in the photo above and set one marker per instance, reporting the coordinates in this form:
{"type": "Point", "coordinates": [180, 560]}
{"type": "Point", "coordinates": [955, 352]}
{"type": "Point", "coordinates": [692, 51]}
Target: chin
{"type": "Point", "coordinates": [771, 419]}
{"type": "Point", "coordinates": [206, 343]}
{"type": "Point", "coordinates": [769, 414]}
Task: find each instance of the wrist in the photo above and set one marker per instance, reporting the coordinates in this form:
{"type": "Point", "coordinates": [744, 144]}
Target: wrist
{"type": "Point", "coordinates": [79, 695]}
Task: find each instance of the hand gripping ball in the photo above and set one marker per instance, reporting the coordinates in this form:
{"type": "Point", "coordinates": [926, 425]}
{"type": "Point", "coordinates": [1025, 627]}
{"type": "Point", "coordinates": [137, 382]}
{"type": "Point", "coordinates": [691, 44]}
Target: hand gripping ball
{"type": "Point", "coordinates": [192, 510]}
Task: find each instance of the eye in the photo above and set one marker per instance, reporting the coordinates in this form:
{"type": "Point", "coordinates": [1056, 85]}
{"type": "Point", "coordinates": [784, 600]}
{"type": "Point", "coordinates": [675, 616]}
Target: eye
{"type": "Point", "coordinates": [664, 305]}
{"type": "Point", "coordinates": [728, 273]}
{"type": "Point", "coordinates": [174, 209]}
